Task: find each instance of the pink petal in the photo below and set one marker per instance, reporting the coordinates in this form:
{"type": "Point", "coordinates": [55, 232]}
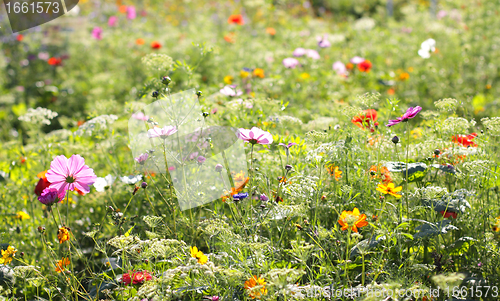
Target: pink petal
{"type": "Point", "coordinates": [75, 164]}
{"type": "Point", "coordinates": [82, 187]}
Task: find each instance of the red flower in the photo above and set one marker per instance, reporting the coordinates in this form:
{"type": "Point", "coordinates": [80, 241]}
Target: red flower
{"type": "Point", "coordinates": [20, 37]}
{"type": "Point", "coordinates": [447, 214]}
{"type": "Point", "coordinates": [365, 66]}
{"type": "Point", "coordinates": [155, 45]}
{"type": "Point", "coordinates": [465, 140]}
{"type": "Point", "coordinates": [236, 19]}
{"type": "Point", "coordinates": [42, 183]}
{"type": "Point", "coordinates": [136, 277]}
{"type": "Point", "coordinates": [363, 121]}
{"type": "Point", "coordinates": [55, 61]}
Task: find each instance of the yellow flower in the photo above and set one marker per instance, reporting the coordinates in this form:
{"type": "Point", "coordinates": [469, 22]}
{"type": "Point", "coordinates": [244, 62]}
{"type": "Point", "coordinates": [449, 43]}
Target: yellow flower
{"type": "Point", "coordinates": [390, 189]}
{"type": "Point", "coordinates": [305, 75]}
{"type": "Point", "coordinates": [61, 264]}
{"type": "Point", "coordinates": [228, 79]}
{"type": "Point", "coordinates": [244, 74]}
{"type": "Point", "coordinates": [195, 253]}
{"type": "Point", "coordinates": [22, 215]}
{"type": "Point", "coordinates": [258, 72]}
{"type": "Point", "coordinates": [352, 219]}
{"type": "Point", "coordinates": [410, 69]}
{"type": "Point", "coordinates": [416, 133]}
{"type": "Point", "coordinates": [63, 234]}
{"type": "Point", "coordinates": [7, 255]}
{"type": "Point", "coordinates": [256, 287]}
{"type": "Point", "coordinates": [404, 76]}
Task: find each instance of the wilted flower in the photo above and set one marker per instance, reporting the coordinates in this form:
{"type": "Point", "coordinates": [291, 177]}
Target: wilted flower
{"type": "Point", "coordinates": [70, 174]}
{"type": "Point", "coordinates": [63, 234]}
{"type": "Point", "coordinates": [255, 136]}
{"type": "Point", "coordinates": [162, 132]}
{"type": "Point", "coordinates": [353, 220]}
{"type": "Point", "coordinates": [409, 114]}
{"type": "Point", "coordinates": [290, 62]}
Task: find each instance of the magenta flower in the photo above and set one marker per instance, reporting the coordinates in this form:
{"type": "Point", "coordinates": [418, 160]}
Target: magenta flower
{"type": "Point", "coordinates": [357, 60]}
{"type": "Point", "coordinates": [142, 158]}
{"type": "Point", "coordinates": [140, 116]}
{"type": "Point", "coordinates": [201, 159]}
{"type": "Point", "coordinates": [290, 62]}
{"type": "Point", "coordinates": [340, 68]}
{"type": "Point", "coordinates": [255, 136]}
{"type": "Point", "coordinates": [112, 21]}
{"type": "Point", "coordinates": [299, 52]}
{"type": "Point", "coordinates": [409, 114]}
{"type": "Point", "coordinates": [231, 91]}
{"type": "Point", "coordinates": [313, 54]}
{"type": "Point", "coordinates": [49, 196]}
{"type": "Point", "coordinates": [162, 132]}
{"type": "Point", "coordinates": [70, 174]}
{"type": "Point", "coordinates": [97, 33]}
{"type": "Point", "coordinates": [131, 14]}
{"type": "Point", "coordinates": [288, 145]}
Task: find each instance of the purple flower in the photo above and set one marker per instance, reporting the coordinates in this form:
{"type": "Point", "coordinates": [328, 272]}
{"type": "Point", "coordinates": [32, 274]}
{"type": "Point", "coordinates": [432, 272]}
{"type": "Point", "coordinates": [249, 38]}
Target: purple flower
{"type": "Point", "coordinates": [255, 136]}
{"type": "Point", "coordinates": [313, 54]}
{"type": "Point", "coordinates": [131, 14]}
{"type": "Point", "coordinates": [231, 91]}
{"type": "Point", "coordinates": [290, 62]}
{"type": "Point", "coordinates": [49, 196]}
{"type": "Point", "coordinates": [218, 167]}
{"type": "Point", "coordinates": [288, 145]}
{"type": "Point", "coordinates": [70, 174]}
{"type": "Point", "coordinates": [409, 114]}
{"type": "Point", "coordinates": [201, 159]}
{"type": "Point", "coordinates": [97, 33]}
{"type": "Point", "coordinates": [340, 68]}
{"type": "Point", "coordinates": [323, 42]}
{"type": "Point", "coordinates": [213, 298]}
{"type": "Point", "coordinates": [162, 132]}
{"type": "Point", "coordinates": [112, 21]}
{"type": "Point", "coordinates": [142, 158]}
{"type": "Point", "coordinates": [264, 197]}
{"type": "Point", "coordinates": [240, 196]}
{"type": "Point", "coordinates": [357, 60]}
{"type": "Point", "coordinates": [299, 52]}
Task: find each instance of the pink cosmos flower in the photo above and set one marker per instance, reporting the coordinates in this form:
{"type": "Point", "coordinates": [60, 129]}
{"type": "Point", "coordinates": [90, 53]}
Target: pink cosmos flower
{"type": "Point", "coordinates": [313, 54]}
{"type": "Point", "coordinates": [357, 60]}
{"type": "Point", "coordinates": [409, 114]}
{"type": "Point", "coordinates": [340, 68]}
{"type": "Point", "coordinates": [97, 33]}
{"type": "Point", "coordinates": [162, 132]}
{"type": "Point", "coordinates": [131, 14]}
{"type": "Point", "coordinates": [299, 52]}
{"type": "Point", "coordinates": [112, 21]}
{"type": "Point", "coordinates": [142, 158]}
{"type": "Point", "coordinates": [255, 136]}
{"type": "Point", "coordinates": [231, 91]}
{"type": "Point", "coordinates": [70, 174]}
{"type": "Point", "coordinates": [323, 41]}
{"type": "Point", "coordinates": [140, 116]}
{"type": "Point", "coordinates": [290, 62]}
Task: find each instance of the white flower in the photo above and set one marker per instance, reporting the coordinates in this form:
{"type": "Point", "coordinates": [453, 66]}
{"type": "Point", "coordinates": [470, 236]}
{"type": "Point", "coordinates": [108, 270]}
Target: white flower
{"type": "Point", "coordinates": [426, 48]}
{"type": "Point", "coordinates": [131, 179]}
{"type": "Point", "coordinates": [38, 116]}
{"type": "Point", "coordinates": [101, 183]}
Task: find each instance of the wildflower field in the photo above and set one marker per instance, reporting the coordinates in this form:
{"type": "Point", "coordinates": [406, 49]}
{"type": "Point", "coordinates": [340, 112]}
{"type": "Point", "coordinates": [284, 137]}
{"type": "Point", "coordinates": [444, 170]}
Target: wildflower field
{"type": "Point", "coordinates": [252, 149]}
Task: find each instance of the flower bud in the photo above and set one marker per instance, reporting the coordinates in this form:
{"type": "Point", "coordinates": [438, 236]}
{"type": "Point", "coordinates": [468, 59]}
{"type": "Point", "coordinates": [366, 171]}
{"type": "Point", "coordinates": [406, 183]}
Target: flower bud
{"type": "Point", "coordinates": [437, 152]}
{"type": "Point", "coordinates": [288, 167]}
{"type": "Point", "coordinates": [199, 93]}
{"type": "Point", "coordinates": [144, 185]}
{"type": "Point", "coordinates": [166, 80]}
{"type": "Point", "coordinates": [205, 114]}
{"type": "Point", "coordinates": [395, 139]}
{"type": "Point", "coordinates": [218, 168]}
{"type": "Point", "coordinates": [156, 94]}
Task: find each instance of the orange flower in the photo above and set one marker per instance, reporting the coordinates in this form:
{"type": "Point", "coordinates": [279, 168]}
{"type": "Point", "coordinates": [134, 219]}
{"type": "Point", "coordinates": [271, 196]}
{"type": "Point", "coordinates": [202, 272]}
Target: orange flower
{"type": "Point", "coordinates": [391, 91]}
{"type": "Point", "coordinates": [140, 41]}
{"type": "Point", "coordinates": [155, 45]}
{"type": "Point", "coordinates": [349, 66]}
{"type": "Point", "coordinates": [256, 287]}
{"type": "Point", "coordinates": [54, 61]}
{"type": "Point", "coordinates": [404, 76]}
{"type": "Point", "coordinates": [20, 37]}
{"type": "Point", "coordinates": [380, 172]}
{"type": "Point", "coordinates": [334, 171]}
{"type": "Point", "coordinates": [353, 220]}
{"type": "Point", "coordinates": [236, 19]}
{"type": "Point", "coordinates": [365, 66]}
{"type": "Point", "coordinates": [61, 264]}
{"type": "Point", "coordinates": [258, 72]}
{"type": "Point", "coordinates": [363, 121]}
{"type": "Point", "coordinates": [63, 234]}
{"type": "Point", "coordinates": [230, 37]}
{"type": "Point", "coordinates": [271, 31]}
{"type": "Point", "coordinates": [122, 9]}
